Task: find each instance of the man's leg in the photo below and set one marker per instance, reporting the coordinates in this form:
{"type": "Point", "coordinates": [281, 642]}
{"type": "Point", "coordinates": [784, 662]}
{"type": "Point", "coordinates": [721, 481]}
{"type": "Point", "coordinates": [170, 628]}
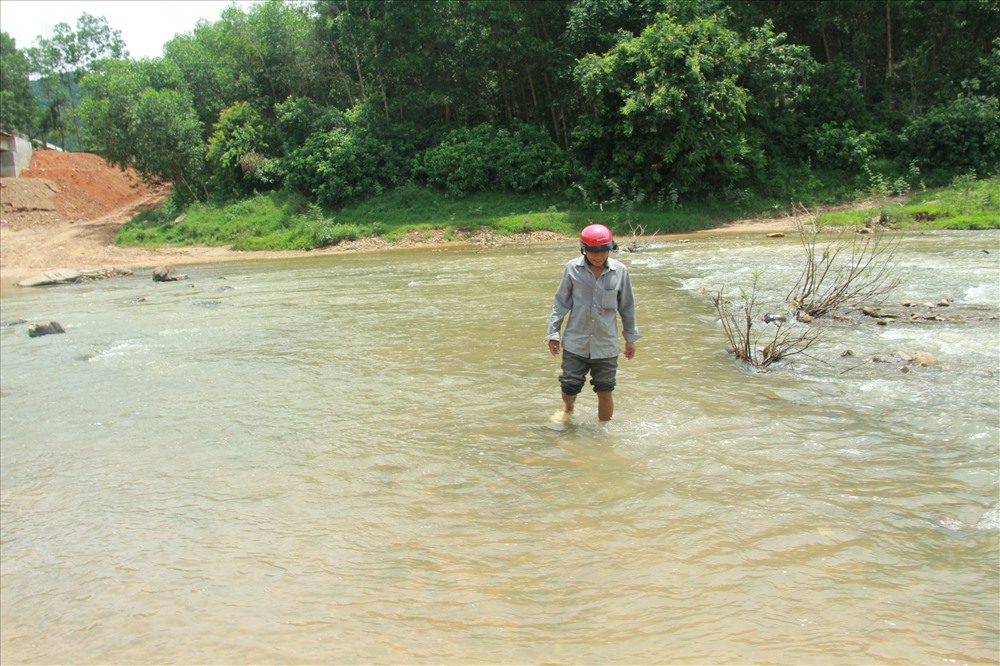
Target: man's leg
{"type": "Point", "coordinates": [563, 417]}
{"type": "Point", "coordinates": [605, 405]}
{"type": "Point", "coordinates": [604, 379]}
{"type": "Point", "coordinates": [574, 374]}
{"type": "Point", "coordinates": [569, 402]}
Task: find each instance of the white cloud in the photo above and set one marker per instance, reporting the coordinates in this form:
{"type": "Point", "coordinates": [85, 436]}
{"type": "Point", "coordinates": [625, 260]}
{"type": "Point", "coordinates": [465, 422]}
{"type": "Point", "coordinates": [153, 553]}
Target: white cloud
{"type": "Point", "coordinates": [145, 25]}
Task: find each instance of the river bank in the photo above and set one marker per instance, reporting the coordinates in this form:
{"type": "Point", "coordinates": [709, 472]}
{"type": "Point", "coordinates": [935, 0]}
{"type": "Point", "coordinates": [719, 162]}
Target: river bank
{"type": "Point", "coordinates": [65, 210]}
{"type": "Point", "coordinates": [88, 245]}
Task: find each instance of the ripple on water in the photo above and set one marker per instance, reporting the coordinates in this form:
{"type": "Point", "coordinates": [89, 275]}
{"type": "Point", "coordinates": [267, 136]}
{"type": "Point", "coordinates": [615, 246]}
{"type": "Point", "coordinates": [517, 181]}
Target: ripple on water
{"type": "Point", "coordinates": [365, 455]}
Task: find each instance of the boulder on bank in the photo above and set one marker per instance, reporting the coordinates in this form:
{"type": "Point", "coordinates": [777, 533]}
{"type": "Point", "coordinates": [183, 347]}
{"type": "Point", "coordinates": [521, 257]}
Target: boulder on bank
{"type": "Point", "coordinates": [72, 276]}
{"type": "Point", "coordinates": [57, 276]}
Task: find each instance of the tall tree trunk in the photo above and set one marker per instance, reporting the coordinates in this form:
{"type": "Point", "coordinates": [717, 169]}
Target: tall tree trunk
{"type": "Point", "coordinates": [506, 94]}
{"type": "Point", "coordinates": [534, 97]}
{"type": "Point", "coordinates": [553, 111]}
{"type": "Point", "coordinates": [341, 74]}
{"type": "Point", "coordinates": [73, 114]}
{"type": "Point", "coordinates": [888, 39]}
{"type": "Point", "coordinates": [361, 76]}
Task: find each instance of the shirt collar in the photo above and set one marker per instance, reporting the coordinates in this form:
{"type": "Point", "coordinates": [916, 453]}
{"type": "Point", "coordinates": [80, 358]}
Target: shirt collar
{"type": "Point", "coordinates": [582, 261]}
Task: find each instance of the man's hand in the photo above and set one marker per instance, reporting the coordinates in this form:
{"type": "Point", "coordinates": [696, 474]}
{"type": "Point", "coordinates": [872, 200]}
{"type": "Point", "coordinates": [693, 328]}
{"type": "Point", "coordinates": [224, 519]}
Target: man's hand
{"type": "Point", "coordinates": [554, 347]}
{"type": "Point", "coordinates": [629, 350]}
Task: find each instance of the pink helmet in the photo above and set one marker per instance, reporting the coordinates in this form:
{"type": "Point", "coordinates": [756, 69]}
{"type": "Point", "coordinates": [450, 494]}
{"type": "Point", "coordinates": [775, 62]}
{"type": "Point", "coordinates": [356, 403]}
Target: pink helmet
{"type": "Point", "coordinates": [597, 238]}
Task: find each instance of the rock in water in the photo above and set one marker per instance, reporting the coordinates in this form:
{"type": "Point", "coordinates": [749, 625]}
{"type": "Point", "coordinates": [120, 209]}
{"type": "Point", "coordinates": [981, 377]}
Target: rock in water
{"type": "Point", "coordinates": [45, 328]}
{"type": "Point", "coordinates": [57, 276]}
{"type": "Point", "coordinates": [164, 274]}
{"type": "Point", "coordinates": [925, 359]}
{"type": "Point", "coordinates": [167, 273]}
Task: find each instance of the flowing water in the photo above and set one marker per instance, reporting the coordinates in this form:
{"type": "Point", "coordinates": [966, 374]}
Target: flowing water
{"type": "Point", "coordinates": [345, 459]}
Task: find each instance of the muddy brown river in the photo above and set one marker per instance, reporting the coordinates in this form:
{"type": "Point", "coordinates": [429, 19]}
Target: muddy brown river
{"type": "Point", "coordinates": [345, 460]}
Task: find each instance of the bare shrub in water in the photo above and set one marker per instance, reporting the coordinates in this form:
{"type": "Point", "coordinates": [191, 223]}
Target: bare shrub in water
{"type": "Point", "coordinates": [748, 342]}
{"type": "Point", "coordinates": [851, 269]}
{"type": "Point", "coordinates": [634, 241]}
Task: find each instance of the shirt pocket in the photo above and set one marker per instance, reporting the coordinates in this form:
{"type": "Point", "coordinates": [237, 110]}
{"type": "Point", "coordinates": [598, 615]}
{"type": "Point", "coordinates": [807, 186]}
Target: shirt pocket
{"type": "Point", "coordinates": [609, 299]}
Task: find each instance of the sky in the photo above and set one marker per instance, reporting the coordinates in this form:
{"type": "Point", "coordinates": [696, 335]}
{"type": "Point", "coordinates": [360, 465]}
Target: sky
{"type": "Point", "coordinates": [145, 25]}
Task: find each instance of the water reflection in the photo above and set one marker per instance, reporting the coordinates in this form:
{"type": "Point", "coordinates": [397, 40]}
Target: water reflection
{"type": "Point", "coordinates": [345, 460]}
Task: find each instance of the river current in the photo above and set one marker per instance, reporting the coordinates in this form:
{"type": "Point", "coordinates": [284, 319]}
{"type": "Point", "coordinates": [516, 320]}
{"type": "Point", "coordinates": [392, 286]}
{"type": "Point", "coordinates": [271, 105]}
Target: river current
{"type": "Point", "coordinates": [346, 459]}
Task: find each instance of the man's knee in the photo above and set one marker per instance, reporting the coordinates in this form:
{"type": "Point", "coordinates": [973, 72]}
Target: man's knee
{"type": "Point", "coordinates": [604, 374]}
{"type": "Point", "coordinates": [574, 373]}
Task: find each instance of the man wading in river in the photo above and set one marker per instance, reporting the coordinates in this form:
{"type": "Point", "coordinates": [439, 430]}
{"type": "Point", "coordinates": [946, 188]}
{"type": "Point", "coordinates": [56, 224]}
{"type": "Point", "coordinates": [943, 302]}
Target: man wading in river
{"type": "Point", "coordinates": [594, 290]}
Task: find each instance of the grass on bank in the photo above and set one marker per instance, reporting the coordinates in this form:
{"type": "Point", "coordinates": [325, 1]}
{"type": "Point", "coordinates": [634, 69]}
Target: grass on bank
{"type": "Point", "coordinates": [966, 204]}
{"type": "Point", "coordinates": [283, 220]}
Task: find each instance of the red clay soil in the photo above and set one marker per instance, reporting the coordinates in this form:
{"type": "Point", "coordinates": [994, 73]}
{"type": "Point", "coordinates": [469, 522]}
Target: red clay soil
{"type": "Point", "coordinates": [64, 210]}
{"type": "Point", "coordinates": [73, 186]}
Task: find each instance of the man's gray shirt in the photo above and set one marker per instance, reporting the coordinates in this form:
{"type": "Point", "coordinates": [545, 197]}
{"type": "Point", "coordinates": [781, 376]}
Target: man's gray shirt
{"type": "Point", "coordinates": [593, 305]}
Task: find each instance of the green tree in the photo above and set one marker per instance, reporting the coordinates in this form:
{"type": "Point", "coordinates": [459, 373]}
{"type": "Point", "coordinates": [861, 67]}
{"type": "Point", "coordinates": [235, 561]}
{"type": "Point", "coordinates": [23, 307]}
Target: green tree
{"type": "Point", "coordinates": [238, 159]}
{"type": "Point", "coordinates": [140, 115]}
{"type": "Point", "coordinates": [343, 98]}
{"type": "Point", "coordinates": [17, 101]}
{"type": "Point", "coordinates": [595, 26]}
{"type": "Point", "coordinates": [260, 57]}
{"type": "Point", "coordinates": [170, 147]}
{"type": "Point", "coordinates": [449, 63]}
{"type": "Point", "coordinates": [906, 54]}
{"type": "Point", "coordinates": [299, 117]}
{"type": "Point", "coordinates": [672, 106]}
{"type": "Point", "coordinates": [62, 60]}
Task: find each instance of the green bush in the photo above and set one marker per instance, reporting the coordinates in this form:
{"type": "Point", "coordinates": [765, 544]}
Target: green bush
{"type": "Point", "coordinates": [237, 159]}
{"type": "Point", "coordinates": [331, 233]}
{"type": "Point", "coordinates": [487, 159]}
{"type": "Point", "coordinates": [342, 165]}
{"type": "Point", "coordinates": [278, 220]}
{"type": "Point", "coordinates": [298, 118]}
{"type": "Point", "coordinates": [842, 146]}
{"type": "Point", "coordinates": [955, 137]}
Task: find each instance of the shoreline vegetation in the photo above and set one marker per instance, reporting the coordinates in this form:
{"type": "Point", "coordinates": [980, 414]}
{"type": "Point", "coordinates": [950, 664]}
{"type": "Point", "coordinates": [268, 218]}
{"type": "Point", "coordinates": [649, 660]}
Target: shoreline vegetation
{"type": "Point", "coordinates": [280, 220]}
{"type": "Point", "coordinates": [146, 235]}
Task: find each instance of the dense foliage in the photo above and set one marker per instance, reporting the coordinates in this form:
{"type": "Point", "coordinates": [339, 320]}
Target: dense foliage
{"type": "Point", "coordinates": [490, 159]}
{"type": "Point", "coordinates": [145, 117]}
{"type": "Point", "coordinates": [58, 63]}
{"type": "Point", "coordinates": [625, 100]}
{"type": "Point", "coordinates": [17, 100]}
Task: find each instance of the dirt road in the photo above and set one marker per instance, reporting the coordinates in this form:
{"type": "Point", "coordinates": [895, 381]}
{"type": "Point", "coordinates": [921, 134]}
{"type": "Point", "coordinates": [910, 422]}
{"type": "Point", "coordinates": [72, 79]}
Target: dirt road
{"type": "Point", "coordinates": [64, 211]}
